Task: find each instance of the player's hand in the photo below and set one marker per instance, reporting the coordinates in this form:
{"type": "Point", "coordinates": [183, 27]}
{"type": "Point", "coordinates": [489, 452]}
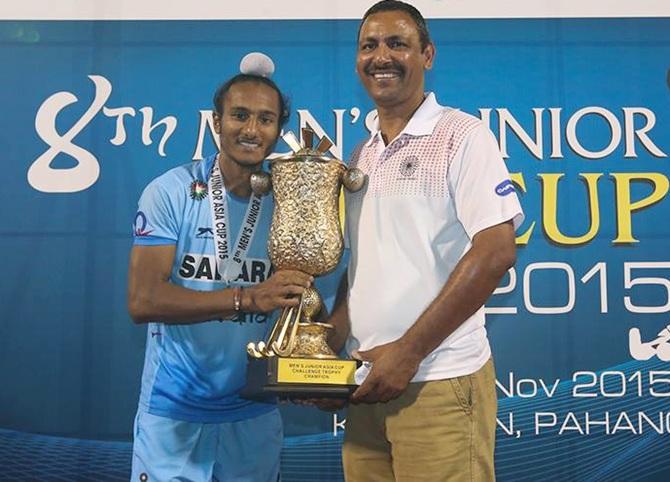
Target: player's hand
{"type": "Point", "coordinates": [282, 289]}
{"type": "Point", "coordinates": [393, 366]}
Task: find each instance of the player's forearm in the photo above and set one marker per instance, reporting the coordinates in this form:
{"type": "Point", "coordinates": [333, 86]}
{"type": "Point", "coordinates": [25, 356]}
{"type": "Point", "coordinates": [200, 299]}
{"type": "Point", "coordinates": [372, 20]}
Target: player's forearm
{"type": "Point", "coordinates": [169, 303]}
{"type": "Point", "coordinates": [471, 283]}
{"type": "Point", "coordinates": [339, 318]}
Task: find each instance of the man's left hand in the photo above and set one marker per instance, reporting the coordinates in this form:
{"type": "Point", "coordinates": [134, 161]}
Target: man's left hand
{"type": "Point", "coordinates": [393, 366]}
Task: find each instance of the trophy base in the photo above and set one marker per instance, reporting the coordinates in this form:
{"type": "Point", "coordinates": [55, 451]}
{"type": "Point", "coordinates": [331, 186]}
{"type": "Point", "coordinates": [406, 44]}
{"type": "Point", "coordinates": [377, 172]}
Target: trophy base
{"type": "Point", "coordinates": [299, 378]}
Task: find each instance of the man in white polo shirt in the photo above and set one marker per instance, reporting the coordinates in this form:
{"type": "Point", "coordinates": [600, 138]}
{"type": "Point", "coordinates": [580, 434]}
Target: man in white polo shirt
{"type": "Point", "coordinates": [431, 236]}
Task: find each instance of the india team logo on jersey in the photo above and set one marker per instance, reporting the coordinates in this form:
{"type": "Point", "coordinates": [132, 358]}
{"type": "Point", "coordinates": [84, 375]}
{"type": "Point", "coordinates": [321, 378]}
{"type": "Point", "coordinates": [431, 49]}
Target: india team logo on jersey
{"type": "Point", "coordinates": [198, 190]}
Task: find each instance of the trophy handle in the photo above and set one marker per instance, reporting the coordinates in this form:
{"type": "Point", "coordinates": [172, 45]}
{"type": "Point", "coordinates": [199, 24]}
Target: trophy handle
{"type": "Point", "coordinates": [279, 330]}
{"type": "Point", "coordinates": [266, 348]}
{"type": "Point", "coordinates": [284, 335]}
{"type": "Point", "coordinates": [276, 338]}
{"type": "Point", "coordinates": [354, 179]}
{"type": "Point", "coordinates": [291, 322]}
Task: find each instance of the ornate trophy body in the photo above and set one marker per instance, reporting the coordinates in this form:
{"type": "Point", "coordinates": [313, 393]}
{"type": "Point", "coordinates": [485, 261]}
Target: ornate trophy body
{"type": "Point", "coordinates": [305, 235]}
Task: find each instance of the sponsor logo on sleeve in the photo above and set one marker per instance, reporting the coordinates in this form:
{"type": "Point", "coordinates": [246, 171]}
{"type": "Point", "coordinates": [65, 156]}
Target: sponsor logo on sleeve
{"type": "Point", "coordinates": [504, 188]}
{"type": "Point", "coordinates": [198, 190]}
{"type": "Point", "coordinates": [140, 225]}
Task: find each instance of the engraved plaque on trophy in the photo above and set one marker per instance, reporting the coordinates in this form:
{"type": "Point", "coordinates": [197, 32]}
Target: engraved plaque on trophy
{"type": "Point", "coordinates": [295, 360]}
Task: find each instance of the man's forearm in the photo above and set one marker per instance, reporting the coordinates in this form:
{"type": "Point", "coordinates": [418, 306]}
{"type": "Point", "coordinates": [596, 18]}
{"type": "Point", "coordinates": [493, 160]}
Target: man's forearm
{"type": "Point", "coordinates": [152, 297]}
{"type": "Point", "coordinates": [169, 303]}
{"type": "Point", "coordinates": [471, 283]}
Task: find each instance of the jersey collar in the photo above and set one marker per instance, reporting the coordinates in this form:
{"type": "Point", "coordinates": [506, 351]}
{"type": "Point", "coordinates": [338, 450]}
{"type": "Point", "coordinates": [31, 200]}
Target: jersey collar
{"type": "Point", "coordinates": [422, 123]}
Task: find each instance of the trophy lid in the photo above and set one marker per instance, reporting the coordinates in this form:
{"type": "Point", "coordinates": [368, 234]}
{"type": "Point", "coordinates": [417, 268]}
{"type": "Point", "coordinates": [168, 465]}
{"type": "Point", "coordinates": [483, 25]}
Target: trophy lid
{"type": "Point", "coordinates": [305, 151]}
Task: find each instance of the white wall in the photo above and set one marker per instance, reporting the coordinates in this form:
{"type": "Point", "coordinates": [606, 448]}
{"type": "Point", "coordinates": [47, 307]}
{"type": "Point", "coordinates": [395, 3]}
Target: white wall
{"type": "Point", "coordinates": [316, 9]}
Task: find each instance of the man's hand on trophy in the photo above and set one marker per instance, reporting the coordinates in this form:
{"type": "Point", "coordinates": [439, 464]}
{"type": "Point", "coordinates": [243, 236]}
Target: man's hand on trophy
{"type": "Point", "coordinates": [282, 289]}
{"type": "Point", "coordinates": [393, 367]}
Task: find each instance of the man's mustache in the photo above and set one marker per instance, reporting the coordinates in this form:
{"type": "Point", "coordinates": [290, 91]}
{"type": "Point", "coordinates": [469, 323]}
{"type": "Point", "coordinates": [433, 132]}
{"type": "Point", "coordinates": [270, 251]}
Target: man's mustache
{"type": "Point", "coordinates": [391, 66]}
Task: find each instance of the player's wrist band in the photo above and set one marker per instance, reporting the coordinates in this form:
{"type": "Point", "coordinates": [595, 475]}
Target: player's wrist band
{"type": "Point", "coordinates": [237, 298]}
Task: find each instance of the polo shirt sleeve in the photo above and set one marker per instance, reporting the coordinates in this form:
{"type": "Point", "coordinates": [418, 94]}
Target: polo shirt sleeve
{"type": "Point", "coordinates": [480, 184]}
{"type": "Point", "coordinates": [156, 220]}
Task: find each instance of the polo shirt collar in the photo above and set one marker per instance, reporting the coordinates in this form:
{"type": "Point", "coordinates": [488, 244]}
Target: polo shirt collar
{"type": "Point", "coordinates": [422, 123]}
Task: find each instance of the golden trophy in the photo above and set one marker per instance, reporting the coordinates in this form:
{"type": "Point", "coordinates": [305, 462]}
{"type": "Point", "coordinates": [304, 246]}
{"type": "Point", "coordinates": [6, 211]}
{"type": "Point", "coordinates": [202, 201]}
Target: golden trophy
{"type": "Point", "coordinates": [295, 360]}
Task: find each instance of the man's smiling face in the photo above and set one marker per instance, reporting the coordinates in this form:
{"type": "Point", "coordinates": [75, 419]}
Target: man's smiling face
{"type": "Point", "coordinates": [390, 60]}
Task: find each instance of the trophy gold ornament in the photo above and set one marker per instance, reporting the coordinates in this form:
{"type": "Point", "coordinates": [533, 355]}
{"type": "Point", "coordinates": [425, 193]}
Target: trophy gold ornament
{"type": "Point", "coordinates": [295, 360]}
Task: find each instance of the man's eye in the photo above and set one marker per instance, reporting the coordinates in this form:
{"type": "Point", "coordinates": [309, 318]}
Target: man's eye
{"type": "Point", "coordinates": [366, 47]}
{"type": "Point", "coordinates": [240, 116]}
{"type": "Point", "coordinates": [395, 44]}
{"type": "Point", "coordinates": [266, 120]}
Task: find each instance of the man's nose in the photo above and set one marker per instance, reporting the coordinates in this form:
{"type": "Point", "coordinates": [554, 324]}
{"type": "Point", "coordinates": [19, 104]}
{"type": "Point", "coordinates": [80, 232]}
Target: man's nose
{"type": "Point", "coordinates": [382, 54]}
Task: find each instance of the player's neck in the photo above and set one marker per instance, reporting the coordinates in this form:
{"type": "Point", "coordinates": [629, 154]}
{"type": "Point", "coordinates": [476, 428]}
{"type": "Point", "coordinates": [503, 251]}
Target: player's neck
{"type": "Point", "coordinates": [236, 176]}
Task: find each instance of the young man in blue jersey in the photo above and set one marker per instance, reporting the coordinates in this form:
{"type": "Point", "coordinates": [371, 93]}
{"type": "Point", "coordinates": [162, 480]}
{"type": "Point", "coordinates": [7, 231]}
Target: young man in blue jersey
{"type": "Point", "coordinates": [200, 277]}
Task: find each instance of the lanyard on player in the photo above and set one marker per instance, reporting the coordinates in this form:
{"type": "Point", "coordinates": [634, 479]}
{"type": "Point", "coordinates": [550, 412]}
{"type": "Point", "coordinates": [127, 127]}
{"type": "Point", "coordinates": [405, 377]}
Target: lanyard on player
{"type": "Point", "coordinates": [230, 267]}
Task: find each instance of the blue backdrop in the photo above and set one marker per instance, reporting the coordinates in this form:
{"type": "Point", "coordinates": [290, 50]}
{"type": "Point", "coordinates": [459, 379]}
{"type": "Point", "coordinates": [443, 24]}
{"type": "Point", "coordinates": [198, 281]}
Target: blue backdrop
{"type": "Point", "coordinates": [581, 108]}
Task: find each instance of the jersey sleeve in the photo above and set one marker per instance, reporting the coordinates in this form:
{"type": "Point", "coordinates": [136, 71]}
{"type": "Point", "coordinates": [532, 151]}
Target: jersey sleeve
{"type": "Point", "coordinates": [478, 179]}
{"type": "Point", "coordinates": [156, 222]}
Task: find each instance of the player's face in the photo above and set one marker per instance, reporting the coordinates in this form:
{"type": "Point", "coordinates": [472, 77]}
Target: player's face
{"type": "Point", "coordinates": [249, 125]}
{"type": "Point", "coordinates": [390, 61]}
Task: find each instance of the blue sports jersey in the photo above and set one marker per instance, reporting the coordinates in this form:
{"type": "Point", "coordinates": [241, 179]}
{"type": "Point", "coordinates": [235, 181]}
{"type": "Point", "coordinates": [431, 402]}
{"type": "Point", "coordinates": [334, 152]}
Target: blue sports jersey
{"type": "Point", "coordinates": [195, 372]}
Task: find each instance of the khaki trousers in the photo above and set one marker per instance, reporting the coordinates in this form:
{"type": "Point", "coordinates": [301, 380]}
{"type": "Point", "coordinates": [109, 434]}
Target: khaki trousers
{"type": "Point", "coordinates": [435, 431]}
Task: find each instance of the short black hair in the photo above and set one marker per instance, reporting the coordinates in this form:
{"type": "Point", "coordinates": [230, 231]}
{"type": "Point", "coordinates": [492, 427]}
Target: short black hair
{"type": "Point", "coordinates": [220, 94]}
{"type": "Point", "coordinates": [397, 5]}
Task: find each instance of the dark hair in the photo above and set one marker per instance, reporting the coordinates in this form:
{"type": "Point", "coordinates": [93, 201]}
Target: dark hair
{"type": "Point", "coordinates": [221, 92]}
{"type": "Point", "coordinates": [395, 6]}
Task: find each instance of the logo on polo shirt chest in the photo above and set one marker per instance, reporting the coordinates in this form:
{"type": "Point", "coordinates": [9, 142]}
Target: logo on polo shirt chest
{"type": "Point", "coordinates": [408, 167]}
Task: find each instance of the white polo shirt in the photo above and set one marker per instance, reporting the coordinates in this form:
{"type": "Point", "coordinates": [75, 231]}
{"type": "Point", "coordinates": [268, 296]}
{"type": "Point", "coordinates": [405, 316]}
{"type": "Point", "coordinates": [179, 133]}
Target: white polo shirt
{"type": "Point", "coordinates": [435, 186]}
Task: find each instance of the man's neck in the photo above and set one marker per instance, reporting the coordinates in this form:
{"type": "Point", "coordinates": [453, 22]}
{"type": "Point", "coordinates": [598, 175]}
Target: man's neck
{"type": "Point", "coordinates": [236, 177]}
{"type": "Point", "coordinates": [394, 118]}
